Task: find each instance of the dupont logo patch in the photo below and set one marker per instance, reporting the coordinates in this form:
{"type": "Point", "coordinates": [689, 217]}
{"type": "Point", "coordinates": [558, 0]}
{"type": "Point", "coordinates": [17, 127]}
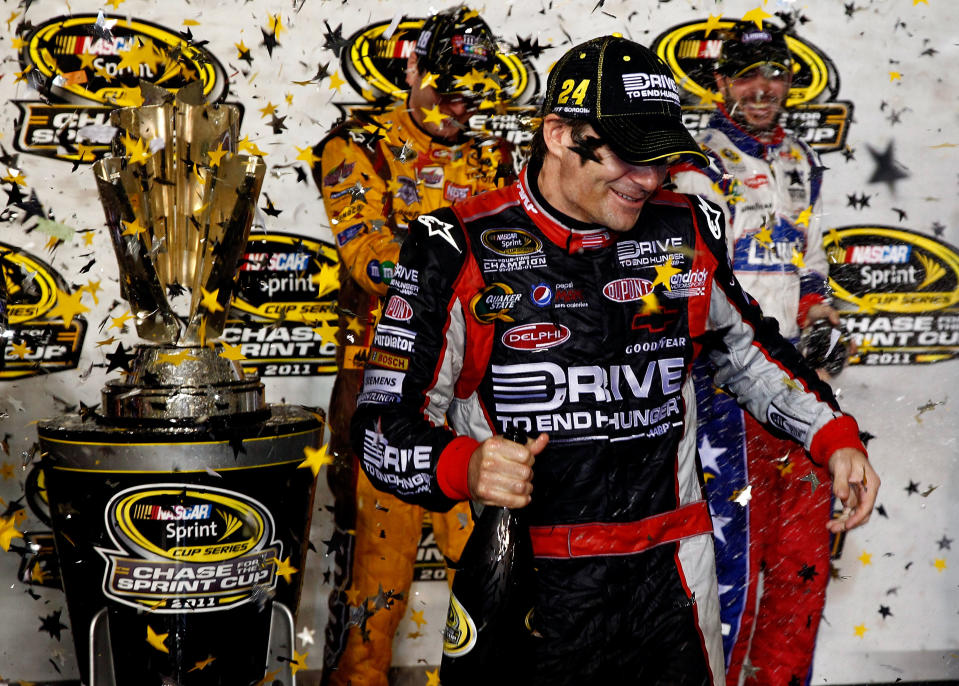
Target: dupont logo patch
{"type": "Point", "coordinates": [627, 290]}
{"type": "Point", "coordinates": [397, 308]}
{"type": "Point", "coordinates": [539, 336]}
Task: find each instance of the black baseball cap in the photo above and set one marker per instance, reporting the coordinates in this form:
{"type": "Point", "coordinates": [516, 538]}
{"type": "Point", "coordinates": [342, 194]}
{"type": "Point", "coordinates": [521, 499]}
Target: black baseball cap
{"type": "Point", "coordinates": [747, 47]}
{"type": "Point", "coordinates": [452, 43]}
{"type": "Point", "coordinates": [627, 94]}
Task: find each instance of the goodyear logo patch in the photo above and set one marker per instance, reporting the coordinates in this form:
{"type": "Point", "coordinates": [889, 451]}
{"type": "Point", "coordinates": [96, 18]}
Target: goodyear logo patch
{"type": "Point", "coordinates": [46, 330]}
{"type": "Point", "coordinates": [815, 114]}
{"type": "Point", "coordinates": [186, 548]}
{"type": "Point", "coordinates": [898, 291]}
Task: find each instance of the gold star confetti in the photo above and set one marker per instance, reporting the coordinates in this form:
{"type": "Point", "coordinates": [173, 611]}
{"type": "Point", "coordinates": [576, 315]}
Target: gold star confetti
{"type": "Point", "coordinates": [176, 359]}
{"type": "Point", "coordinates": [298, 662]}
{"type": "Point", "coordinates": [418, 619]}
{"type": "Point", "coordinates": [353, 597]}
{"type": "Point", "coordinates": [664, 273]}
{"type": "Point", "coordinates": [651, 303]}
{"type": "Point", "coordinates": [860, 630]}
{"type": "Point", "coordinates": [327, 333]}
{"type": "Point", "coordinates": [306, 155]}
{"type": "Point", "coordinates": [433, 677]}
{"type": "Point", "coordinates": [764, 237]}
{"type": "Point", "coordinates": [37, 575]}
{"type": "Point", "coordinates": [68, 306]}
{"type": "Point", "coordinates": [797, 259]}
{"type": "Point", "coordinates": [17, 178]}
{"type": "Point", "coordinates": [757, 15]}
{"type": "Point", "coordinates": [20, 350]}
{"type": "Point", "coordinates": [120, 322]}
{"type": "Point", "coordinates": [804, 217]}
{"type": "Point", "coordinates": [429, 79]}
{"type": "Point", "coordinates": [285, 569]}
{"type": "Point", "coordinates": [216, 155]}
{"type": "Point", "coordinates": [209, 300]}
{"type": "Point", "coordinates": [267, 678]}
{"type": "Point", "coordinates": [336, 82]}
{"type": "Point", "coordinates": [115, 4]}
{"type": "Point", "coordinates": [8, 532]}
{"type": "Point", "coordinates": [355, 325]}
{"type": "Point", "coordinates": [865, 558]}
{"type": "Point", "coordinates": [939, 564]}
{"type": "Point", "coordinates": [433, 115]}
{"type": "Point", "coordinates": [327, 280]}
{"type": "Point", "coordinates": [791, 383]}
{"type": "Point", "coordinates": [157, 640]}
{"type": "Point", "coordinates": [712, 24]}
{"type": "Point", "coordinates": [231, 352]}
{"type": "Point", "coordinates": [895, 75]}
{"type": "Point", "coordinates": [315, 459]}
{"type": "Point", "coordinates": [245, 145]}
{"type": "Point", "coordinates": [270, 109]}
{"type": "Point", "coordinates": [202, 664]}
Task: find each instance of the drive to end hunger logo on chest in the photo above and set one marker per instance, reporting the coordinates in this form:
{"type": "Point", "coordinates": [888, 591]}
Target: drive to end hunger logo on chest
{"type": "Point", "coordinates": [814, 114]}
{"type": "Point", "coordinates": [84, 67]}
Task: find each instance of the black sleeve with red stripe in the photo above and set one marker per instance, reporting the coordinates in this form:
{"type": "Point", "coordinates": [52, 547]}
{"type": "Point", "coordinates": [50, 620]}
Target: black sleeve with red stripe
{"type": "Point", "coordinates": [398, 431]}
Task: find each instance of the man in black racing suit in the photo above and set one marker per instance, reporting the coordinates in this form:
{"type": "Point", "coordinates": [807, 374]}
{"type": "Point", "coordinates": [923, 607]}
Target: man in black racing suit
{"type": "Point", "coordinates": [572, 304]}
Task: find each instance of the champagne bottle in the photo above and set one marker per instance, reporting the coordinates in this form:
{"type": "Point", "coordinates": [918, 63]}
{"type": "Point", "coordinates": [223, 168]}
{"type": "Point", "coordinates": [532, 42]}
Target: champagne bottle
{"type": "Point", "coordinates": [491, 600]}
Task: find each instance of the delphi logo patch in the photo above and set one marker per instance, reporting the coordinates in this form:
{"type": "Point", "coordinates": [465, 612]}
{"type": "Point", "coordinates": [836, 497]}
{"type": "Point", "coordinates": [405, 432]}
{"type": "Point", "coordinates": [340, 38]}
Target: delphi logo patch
{"type": "Point", "coordinates": [188, 548]}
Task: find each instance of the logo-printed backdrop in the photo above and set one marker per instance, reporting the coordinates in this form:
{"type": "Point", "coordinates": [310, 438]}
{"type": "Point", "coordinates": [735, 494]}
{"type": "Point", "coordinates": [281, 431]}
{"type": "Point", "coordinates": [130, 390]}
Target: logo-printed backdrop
{"type": "Point", "coordinates": [890, 217]}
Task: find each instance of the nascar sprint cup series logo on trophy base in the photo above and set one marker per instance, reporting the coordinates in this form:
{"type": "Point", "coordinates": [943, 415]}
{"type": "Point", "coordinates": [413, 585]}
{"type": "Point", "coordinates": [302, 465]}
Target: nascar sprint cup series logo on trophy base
{"type": "Point", "coordinates": [187, 548]}
{"type": "Point", "coordinates": [813, 112]}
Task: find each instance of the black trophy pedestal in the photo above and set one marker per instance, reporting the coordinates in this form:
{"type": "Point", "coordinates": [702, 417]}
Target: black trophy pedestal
{"type": "Point", "coordinates": [182, 547]}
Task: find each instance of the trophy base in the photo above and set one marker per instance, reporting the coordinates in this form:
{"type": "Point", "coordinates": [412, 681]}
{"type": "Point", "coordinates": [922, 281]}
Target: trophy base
{"type": "Point", "coordinates": [172, 385]}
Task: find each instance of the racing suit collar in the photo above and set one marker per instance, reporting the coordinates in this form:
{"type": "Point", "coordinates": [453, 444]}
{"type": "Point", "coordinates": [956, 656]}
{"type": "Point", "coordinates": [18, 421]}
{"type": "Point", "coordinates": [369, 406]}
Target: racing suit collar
{"type": "Point", "coordinates": [570, 234]}
{"type": "Point", "coordinates": [742, 139]}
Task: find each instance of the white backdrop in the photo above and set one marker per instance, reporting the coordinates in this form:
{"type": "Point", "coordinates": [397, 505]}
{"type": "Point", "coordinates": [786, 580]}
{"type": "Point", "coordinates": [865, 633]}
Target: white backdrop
{"type": "Point", "coordinates": [893, 602]}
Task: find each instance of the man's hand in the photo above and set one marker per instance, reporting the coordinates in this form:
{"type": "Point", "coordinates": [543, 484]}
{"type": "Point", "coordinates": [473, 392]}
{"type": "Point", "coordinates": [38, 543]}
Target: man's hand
{"type": "Point", "coordinates": [856, 484]}
{"type": "Point", "coordinates": [501, 472]}
{"type": "Point", "coordinates": [828, 312]}
{"type": "Point", "coordinates": [821, 311]}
